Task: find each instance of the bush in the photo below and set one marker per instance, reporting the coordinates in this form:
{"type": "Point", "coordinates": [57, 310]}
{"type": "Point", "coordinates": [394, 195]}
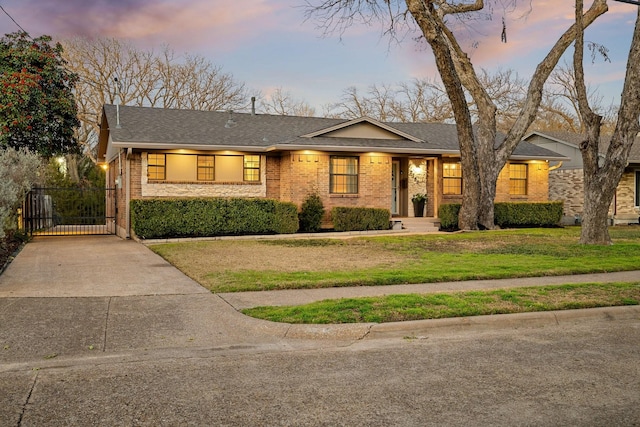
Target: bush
{"type": "Point", "coordinates": [448, 215]}
{"type": "Point", "coordinates": [529, 214]}
{"type": "Point", "coordinates": [19, 170]}
{"type": "Point", "coordinates": [311, 213]}
{"type": "Point", "coordinates": [206, 217]}
{"type": "Point", "coordinates": [360, 219]}
{"type": "Point", "coordinates": [546, 214]}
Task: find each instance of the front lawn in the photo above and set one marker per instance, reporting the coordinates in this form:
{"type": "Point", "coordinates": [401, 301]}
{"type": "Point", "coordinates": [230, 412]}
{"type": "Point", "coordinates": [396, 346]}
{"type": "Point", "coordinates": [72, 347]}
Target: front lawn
{"type": "Point", "coordinates": [253, 265]}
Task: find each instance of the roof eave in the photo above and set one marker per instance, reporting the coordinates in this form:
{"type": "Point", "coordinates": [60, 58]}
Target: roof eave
{"type": "Point", "coordinates": [195, 147]}
{"type": "Point", "coordinates": [554, 158]}
{"type": "Point", "coordinates": [359, 149]}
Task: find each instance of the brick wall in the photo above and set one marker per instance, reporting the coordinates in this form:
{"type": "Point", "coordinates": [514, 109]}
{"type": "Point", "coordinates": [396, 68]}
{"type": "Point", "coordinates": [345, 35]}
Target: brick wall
{"type": "Point", "coordinates": [303, 174]}
{"type": "Point", "coordinates": [272, 168]}
{"type": "Point", "coordinates": [537, 184]}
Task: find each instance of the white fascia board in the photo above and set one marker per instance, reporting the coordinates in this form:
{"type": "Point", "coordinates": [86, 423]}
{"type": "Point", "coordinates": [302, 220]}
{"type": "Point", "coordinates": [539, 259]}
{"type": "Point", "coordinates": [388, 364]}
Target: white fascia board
{"type": "Point", "coordinates": [361, 149]}
{"type": "Point", "coordinates": [554, 158]}
{"type": "Point", "coordinates": [195, 147]}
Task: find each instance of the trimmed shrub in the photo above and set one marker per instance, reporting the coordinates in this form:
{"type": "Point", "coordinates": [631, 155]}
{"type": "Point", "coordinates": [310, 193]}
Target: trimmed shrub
{"type": "Point", "coordinates": [509, 215]}
{"type": "Point", "coordinates": [448, 215]}
{"type": "Point", "coordinates": [360, 219]}
{"type": "Point", "coordinates": [544, 214]}
{"type": "Point", "coordinates": [311, 212]}
{"type": "Point", "coordinates": [206, 217]}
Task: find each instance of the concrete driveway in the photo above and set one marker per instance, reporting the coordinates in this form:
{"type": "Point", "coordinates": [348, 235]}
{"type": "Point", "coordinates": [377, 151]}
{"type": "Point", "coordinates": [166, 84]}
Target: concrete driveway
{"type": "Point", "coordinates": [71, 296]}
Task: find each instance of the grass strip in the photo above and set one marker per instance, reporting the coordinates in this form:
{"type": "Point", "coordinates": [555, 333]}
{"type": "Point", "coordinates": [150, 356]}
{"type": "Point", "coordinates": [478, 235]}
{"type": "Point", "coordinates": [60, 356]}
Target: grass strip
{"type": "Point", "coordinates": [396, 308]}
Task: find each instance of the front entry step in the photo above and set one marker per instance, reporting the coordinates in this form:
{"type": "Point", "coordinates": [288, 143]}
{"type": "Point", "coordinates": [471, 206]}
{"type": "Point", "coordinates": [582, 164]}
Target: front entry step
{"type": "Point", "coordinates": [419, 225]}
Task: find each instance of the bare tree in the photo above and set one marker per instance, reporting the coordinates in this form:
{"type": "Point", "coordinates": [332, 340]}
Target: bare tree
{"type": "Point", "coordinates": [482, 159]}
{"type": "Point", "coordinates": [602, 178]}
{"type": "Point", "coordinates": [144, 78]}
{"type": "Point", "coordinates": [420, 100]}
{"type": "Point", "coordinates": [283, 103]}
{"type": "Point", "coordinates": [561, 87]}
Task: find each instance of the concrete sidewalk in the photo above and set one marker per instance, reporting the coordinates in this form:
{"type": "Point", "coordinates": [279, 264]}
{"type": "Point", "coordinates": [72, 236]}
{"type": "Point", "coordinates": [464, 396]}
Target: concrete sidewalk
{"type": "Point", "coordinates": [242, 300]}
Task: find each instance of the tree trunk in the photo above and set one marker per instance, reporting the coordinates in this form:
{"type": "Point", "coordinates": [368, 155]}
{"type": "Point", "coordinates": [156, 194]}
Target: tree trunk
{"type": "Point", "coordinates": [601, 178]}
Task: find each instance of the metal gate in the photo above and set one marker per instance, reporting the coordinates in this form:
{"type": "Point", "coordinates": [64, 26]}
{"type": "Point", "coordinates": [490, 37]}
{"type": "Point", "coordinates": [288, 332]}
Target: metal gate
{"type": "Point", "coordinates": [59, 211]}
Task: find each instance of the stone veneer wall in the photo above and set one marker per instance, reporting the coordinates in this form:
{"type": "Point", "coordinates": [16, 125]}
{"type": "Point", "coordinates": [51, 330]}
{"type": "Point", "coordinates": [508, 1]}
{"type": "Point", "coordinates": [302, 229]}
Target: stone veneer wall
{"type": "Point", "coordinates": [568, 185]}
{"type": "Point", "coordinates": [417, 183]}
{"type": "Point", "coordinates": [625, 197]}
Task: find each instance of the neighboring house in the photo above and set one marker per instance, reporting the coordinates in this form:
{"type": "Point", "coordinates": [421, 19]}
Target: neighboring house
{"type": "Point", "coordinates": [154, 152]}
{"type": "Point", "coordinates": [566, 180]}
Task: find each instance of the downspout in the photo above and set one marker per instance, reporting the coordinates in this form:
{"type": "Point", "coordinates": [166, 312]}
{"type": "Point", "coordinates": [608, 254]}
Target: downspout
{"type": "Point", "coordinates": [554, 167]}
{"type": "Point", "coordinates": [128, 192]}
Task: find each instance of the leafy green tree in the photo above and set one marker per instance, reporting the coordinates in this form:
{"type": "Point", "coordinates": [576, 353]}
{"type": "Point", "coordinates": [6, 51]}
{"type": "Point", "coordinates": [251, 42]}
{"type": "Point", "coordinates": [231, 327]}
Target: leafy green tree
{"type": "Point", "coordinates": [37, 106]}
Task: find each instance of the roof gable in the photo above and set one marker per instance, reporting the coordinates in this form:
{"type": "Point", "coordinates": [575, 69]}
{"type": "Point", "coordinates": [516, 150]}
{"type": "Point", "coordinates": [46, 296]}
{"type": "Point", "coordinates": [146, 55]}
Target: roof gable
{"type": "Point", "coordinates": [573, 140]}
{"type": "Point", "coordinates": [363, 127]}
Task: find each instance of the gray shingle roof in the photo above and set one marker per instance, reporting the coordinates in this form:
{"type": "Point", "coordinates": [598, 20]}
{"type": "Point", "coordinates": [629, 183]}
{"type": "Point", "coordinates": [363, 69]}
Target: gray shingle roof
{"type": "Point", "coordinates": [142, 127]}
{"type": "Point", "coordinates": [575, 139]}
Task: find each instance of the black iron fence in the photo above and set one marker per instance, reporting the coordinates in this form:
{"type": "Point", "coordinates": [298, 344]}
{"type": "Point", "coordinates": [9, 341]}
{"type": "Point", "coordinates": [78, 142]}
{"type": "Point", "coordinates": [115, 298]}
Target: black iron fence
{"type": "Point", "coordinates": [61, 211]}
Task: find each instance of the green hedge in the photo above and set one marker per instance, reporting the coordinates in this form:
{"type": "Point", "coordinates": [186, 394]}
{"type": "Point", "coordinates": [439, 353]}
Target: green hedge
{"type": "Point", "coordinates": [205, 217]}
{"type": "Point", "coordinates": [360, 219]}
{"type": "Point", "coordinates": [509, 215]}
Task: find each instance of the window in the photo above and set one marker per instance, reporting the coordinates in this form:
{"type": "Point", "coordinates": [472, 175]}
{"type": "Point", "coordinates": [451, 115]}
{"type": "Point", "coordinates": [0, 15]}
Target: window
{"type": "Point", "coordinates": [251, 168]}
{"type": "Point", "coordinates": [518, 179]}
{"type": "Point", "coordinates": [206, 168]}
{"type": "Point", "coordinates": [452, 178]}
{"type": "Point", "coordinates": [156, 168]}
{"type": "Point", "coordinates": [343, 175]}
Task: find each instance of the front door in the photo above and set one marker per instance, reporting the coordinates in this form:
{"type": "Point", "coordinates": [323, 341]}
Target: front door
{"type": "Point", "coordinates": [395, 187]}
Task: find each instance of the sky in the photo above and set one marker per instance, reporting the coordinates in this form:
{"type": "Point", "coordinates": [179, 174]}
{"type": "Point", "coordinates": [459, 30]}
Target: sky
{"type": "Point", "coordinates": [268, 44]}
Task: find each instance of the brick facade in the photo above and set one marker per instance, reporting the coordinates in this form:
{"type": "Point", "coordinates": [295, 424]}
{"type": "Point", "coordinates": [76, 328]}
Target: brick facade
{"type": "Point", "coordinates": [292, 176]}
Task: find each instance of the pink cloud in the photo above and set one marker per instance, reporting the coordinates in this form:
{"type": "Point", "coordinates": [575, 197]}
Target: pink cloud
{"type": "Point", "coordinates": [181, 24]}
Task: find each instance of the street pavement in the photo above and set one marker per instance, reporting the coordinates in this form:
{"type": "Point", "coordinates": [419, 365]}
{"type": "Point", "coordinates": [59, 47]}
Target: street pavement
{"type": "Point", "coordinates": [96, 330]}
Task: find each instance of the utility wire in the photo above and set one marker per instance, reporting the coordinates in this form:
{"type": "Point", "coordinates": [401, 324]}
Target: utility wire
{"type": "Point", "coordinates": [14, 21]}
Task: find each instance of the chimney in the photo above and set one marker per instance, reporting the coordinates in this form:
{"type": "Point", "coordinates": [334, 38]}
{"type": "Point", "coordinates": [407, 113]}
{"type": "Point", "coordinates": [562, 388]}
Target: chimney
{"type": "Point", "coordinates": [253, 105]}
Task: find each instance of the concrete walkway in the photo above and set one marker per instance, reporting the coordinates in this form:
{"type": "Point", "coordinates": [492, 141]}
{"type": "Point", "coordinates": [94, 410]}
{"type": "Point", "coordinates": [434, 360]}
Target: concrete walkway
{"type": "Point", "coordinates": [80, 296]}
{"type": "Point", "coordinates": [242, 300]}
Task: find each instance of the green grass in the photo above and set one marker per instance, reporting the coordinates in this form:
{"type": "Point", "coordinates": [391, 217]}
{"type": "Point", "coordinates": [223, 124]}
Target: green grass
{"type": "Point", "coordinates": [394, 308]}
{"type": "Point", "coordinates": [265, 264]}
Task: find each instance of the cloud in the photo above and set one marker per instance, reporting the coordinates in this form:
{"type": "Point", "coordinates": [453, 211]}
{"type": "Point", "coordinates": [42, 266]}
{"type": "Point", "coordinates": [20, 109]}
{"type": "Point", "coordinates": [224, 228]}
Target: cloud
{"type": "Point", "coordinates": [183, 24]}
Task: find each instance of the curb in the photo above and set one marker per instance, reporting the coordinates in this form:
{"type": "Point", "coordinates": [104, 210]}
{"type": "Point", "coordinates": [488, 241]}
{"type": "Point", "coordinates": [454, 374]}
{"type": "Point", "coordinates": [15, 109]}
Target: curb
{"type": "Point", "coordinates": [421, 328]}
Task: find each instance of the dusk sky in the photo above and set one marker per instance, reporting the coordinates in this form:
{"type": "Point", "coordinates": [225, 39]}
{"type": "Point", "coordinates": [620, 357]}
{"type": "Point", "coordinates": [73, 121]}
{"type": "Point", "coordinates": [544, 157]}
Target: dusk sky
{"type": "Point", "coordinates": [267, 44]}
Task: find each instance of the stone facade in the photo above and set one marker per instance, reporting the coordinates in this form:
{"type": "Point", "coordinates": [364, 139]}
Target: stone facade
{"type": "Point", "coordinates": [568, 185]}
